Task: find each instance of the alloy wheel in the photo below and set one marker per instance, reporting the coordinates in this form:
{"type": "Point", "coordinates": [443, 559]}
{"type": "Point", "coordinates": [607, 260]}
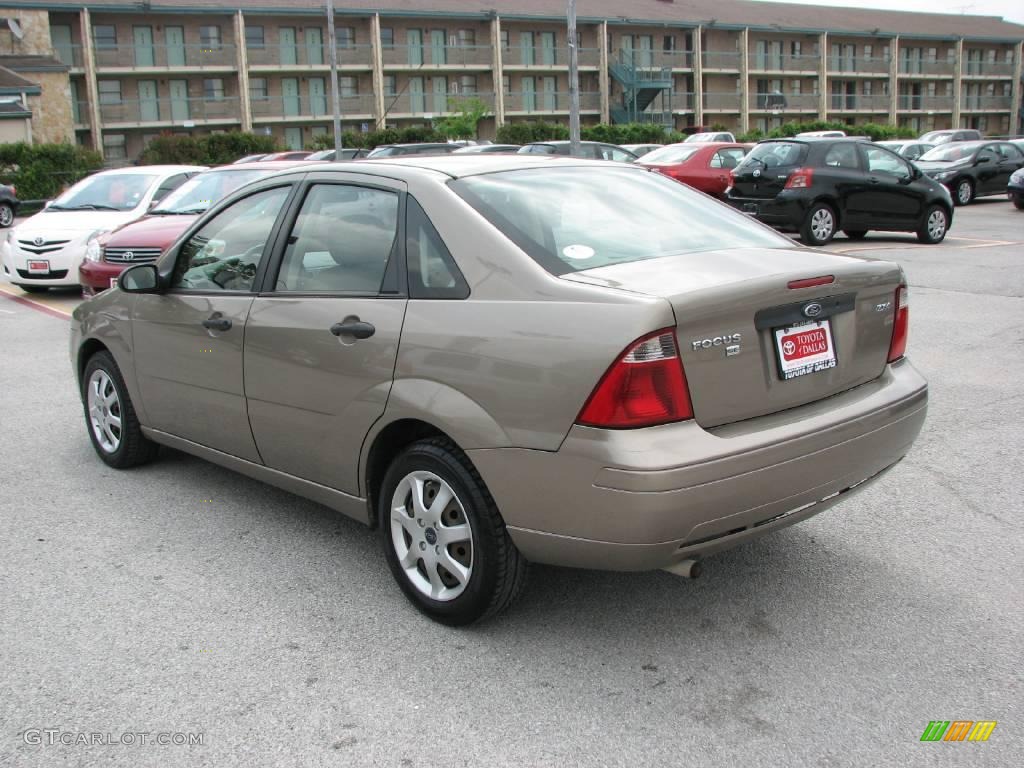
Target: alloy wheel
{"type": "Point", "coordinates": [936, 225]}
{"type": "Point", "coordinates": [104, 411]}
{"type": "Point", "coordinates": [432, 536]}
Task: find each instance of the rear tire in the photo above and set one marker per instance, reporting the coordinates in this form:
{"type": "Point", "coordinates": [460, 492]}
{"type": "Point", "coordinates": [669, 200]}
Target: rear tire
{"type": "Point", "coordinates": [820, 224]}
{"type": "Point", "coordinates": [6, 215]}
{"type": "Point", "coordinates": [934, 225]}
{"type": "Point", "coordinates": [963, 192]}
{"type": "Point", "coordinates": [855, 234]}
{"type": "Point", "coordinates": [456, 563]}
{"type": "Point", "coordinates": [33, 288]}
{"type": "Point", "coordinates": [110, 418]}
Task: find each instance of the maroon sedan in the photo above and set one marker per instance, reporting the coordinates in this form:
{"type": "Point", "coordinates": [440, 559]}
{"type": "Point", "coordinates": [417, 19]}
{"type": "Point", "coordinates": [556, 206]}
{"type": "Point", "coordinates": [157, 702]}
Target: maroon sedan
{"type": "Point", "coordinates": [143, 240]}
{"type": "Point", "coordinates": [704, 166]}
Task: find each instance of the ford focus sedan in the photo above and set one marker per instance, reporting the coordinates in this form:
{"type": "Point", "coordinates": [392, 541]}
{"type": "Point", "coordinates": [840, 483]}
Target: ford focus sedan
{"type": "Point", "coordinates": [493, 360]}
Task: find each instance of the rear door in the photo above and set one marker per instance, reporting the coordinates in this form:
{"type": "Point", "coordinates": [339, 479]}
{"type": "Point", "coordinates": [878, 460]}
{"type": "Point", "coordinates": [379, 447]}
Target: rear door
{"type": "Point", "coordinates": [322, 338]}
{"type": "Point", "coordinates": [1010, 159]}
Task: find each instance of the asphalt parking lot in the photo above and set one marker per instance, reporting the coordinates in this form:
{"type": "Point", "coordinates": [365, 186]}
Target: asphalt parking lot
{"type": "Point", "coordinates": [184, 598]}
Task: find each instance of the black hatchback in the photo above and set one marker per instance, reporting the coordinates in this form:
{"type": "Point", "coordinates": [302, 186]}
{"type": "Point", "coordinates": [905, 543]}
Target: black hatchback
{"type": "Point", "coordinates": [819, 186]}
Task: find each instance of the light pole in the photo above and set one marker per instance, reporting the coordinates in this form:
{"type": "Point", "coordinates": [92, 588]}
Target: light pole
{"type": "Point", "coordinates": [574, 84]}
{"type": "Point", "coordinates": [335, 96]}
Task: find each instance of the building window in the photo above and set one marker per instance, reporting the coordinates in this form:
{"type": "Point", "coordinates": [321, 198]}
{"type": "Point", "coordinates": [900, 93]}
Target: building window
{"type": "Point", "coordinates": [349, 86]}
{"type": "Point", "coordinates": [867, 51]}
{"type": "Point", "coordinates": [795, 49]}
{"type": "Point", "coordinates": [318, 130]}
{"type": "Point", "coordinates": [114, 147]}
{"type": "Point", "coordinates": [867, 87]}
{"type": "Point", "coordinates": [506, 84]}
{"type": "Point", "coordinates": [254, 37]}
{"type": "Point", "coordinates": [1009, 56]}
{"type": "Point", "coordinates": [209, 37]}
{"type": "Point", "coordinates": [504, 39]}
{"type": "Point", "coordinates": [346, 37]}
{"type": "Point", "coordinates": [390, 85]}
{"type": "Point", "coordinates": [467, 37]}
{"type": "Point", "coordinates": [258, 89]}
{"type": "Point", "coordinates": [467, 84]}
{"type": "Point", "coordinates": [110, 91]}
{"type": "Point", "coordinates": [668, 43]}
{"type": "Point", "coordinates": [213, 89]}
{"type": "Point", "coordinates": [387, 37]}
{"type": "Point", "coordinates": [796, 86]}
{"type": "Point", "coordinates": [105, 36]}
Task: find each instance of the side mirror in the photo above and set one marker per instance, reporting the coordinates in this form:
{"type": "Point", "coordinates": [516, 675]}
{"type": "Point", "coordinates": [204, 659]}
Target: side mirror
{"type": "Point", "coordinates": [142, 278]}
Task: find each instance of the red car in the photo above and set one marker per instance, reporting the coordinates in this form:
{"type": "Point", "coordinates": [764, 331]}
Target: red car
{"type": "Point", "coordinates": [143, 240]}
{"type": "Point", "coordinates": [703, 166]}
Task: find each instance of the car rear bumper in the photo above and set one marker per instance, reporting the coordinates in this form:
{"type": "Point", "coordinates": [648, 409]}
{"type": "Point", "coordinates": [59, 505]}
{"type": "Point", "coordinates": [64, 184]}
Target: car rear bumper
{"type": "Point", "coordinates": [95, 276]}
{"type": "Point", "coordinates": [648, 498]}
{"type": "Point", "coordinates": [786, 210]}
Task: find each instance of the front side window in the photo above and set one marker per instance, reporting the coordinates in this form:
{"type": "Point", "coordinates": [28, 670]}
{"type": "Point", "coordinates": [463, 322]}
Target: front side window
{"type": "Point", "coordinates": [564, 219]}
{"type": "Point", "coordinates": [342, 241]}
{"type": "Point", "coordinates": [842, 156]}
{"type": "Point", "coordinates": [883, 161]}
{"type": "Point", "coordinates": [225, 253]}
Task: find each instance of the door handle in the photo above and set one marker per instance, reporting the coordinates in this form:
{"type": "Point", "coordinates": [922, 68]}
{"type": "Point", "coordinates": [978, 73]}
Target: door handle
{"type": "Point", "coordinates": [874, 180]}
{"type": "Point", "coordinates": [217, 322]}
{"type": "Point", "coordinates": [355, 328]}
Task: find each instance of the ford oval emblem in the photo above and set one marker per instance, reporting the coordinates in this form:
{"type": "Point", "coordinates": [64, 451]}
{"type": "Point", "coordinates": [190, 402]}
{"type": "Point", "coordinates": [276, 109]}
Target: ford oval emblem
{"type": "Point", "coordinates": [813, 309]}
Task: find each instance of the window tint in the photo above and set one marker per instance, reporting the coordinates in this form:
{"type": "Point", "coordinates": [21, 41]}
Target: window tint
{"type": "Point", "coordinates": [432, 270]}
{"type": "Point", "coordinates": [842, 156]}
{"type": "Point", "coordinates": [225, 253]}
{"type": "Point", "coordinates": [989, 152]}
{"type": "Point", "coordinates": [1009, 152]}
{"type": "Point", "coordinates": [342, 241]}
{"type": "Point", "coordinates": [674, 153]}
{"type": "Point", "coordinates": [727, 158]}
{"type": "Point", "coordinates": [883, 161]}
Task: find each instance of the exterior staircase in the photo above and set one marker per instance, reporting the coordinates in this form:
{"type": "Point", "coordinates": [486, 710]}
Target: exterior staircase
{"type": "Point", "coordinates": [642, 85]}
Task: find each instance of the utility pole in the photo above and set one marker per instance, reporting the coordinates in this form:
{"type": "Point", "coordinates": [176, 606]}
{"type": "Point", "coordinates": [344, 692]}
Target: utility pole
{"type": "Point", "coordinates": [574, 84]}
{"type": "Point", "coordinates": [335, 95]}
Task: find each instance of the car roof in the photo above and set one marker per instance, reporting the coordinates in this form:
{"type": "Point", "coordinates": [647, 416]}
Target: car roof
{"type": "Point", "coordinates": [149, 169]}
{"type": "Point", "coordinates": [582, 143]}
{"type": "Point", "coordinates": [257, 165]}
{"type": "Point", "coordinates": [416, 144]}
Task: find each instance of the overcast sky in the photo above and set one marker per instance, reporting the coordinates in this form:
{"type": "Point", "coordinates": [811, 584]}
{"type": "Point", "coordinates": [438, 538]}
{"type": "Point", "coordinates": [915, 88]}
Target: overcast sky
{"type": "Point", "coordinates": [1011, 10]}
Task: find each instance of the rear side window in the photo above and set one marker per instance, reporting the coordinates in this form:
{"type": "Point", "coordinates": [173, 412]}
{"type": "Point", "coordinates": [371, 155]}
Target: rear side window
{"type": "Point", "coordinates": [676, 153]}
{"type": "Point", "coordinates": [432, 270]}
{"type": "Point", "coordinates": [776, 153]}
{"type": "Point", "coordinates": [567, 222]}
{"type": "Point", "coordinates": [842, 156]}
{"type": "Point", "coordinates": [726, 158]}
{"type": "Point", "coordinates": [538, 149]}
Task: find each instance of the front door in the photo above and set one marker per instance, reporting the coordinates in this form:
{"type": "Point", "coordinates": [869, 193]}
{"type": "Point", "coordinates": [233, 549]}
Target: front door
{"type": "Point", "coordinates": [320, 348]}
{"type": "Point", "coordinates": [414, 40]}
{"type": "Point", "coordinates": [645, 52]}
{"type": "Point", "coordinates": [175, 39]}
{"type": "Point", "coordinates": [438, 51]}
{"type": "Point", "coordinates": [60, 37]}
{"type": "Point", "coordinates": [142, 39]}
{"type": "Point", "coordinates": [293, 137]}
{"type": "Point", "coordinates": [529, 95]}
{"type": "Point", "coordinates": [417, 103]}
{"type": "Point", "coordinates": [290, 96]}
{"type": "Point", "coordinates": [149, 105]}
{"type": "Point", "coordinates": [288, 48]}
{"type": "Point", "coordinates": [188, 341]}
{"type": "Point", "coordinates": [550, 86]}
{"type": "Point", "coordinates": [179, 100]}
{"type": "Point", "coordinates": [440, 94]}
{"type": "Point", "coordinates": [314, 45]}
{"type": "Point", "coordinates": [547, 49]}
{"type": "Point", "coordinates": [317, 97]}
{"type": "Point", "coordinates": [890, 197]}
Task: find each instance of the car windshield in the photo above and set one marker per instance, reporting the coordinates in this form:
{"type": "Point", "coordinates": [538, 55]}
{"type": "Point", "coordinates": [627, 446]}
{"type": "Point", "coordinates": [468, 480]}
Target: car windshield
{"type": "Point", "coordinates": [106, 192]}
{"type": "Point", "coordinates": [677, 153]}
{"type": "Point", "coordinates": [697, 137]}
{"type": "Point", "coordinates": [200, 192]}
{"type": "Point", "coordinates": [948, 153]}
{"type": "Point", "coordinates": [775, 153]}
{"type": "Point", "coordinates": [565, 219]}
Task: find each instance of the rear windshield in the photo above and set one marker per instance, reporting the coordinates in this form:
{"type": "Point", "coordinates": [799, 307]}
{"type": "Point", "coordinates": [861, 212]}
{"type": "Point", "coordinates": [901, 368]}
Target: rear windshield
{"type": "Point", "coordinates": [774, 153]}
{"type": "Point", "coordinates": [568, 220]}
{"type": "Point", "coordinates": [948, 153]}
{"type": "Point", "coordinates": [669, 155]}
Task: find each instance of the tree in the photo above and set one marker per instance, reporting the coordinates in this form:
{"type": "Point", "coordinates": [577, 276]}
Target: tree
{"type": "Point", "coordinates": [463, 124]}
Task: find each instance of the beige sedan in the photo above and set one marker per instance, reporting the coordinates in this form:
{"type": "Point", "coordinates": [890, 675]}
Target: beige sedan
{"type": "Point", "coordinates": [502, 359]}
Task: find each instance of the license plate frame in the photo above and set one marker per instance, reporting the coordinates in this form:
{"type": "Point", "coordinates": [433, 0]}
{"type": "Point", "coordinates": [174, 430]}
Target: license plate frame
{"type": "Point", "coordinates": [805, 348]}
{"type": "Point", "coordinates": [751, 209]}
{"type": "Point", "coordinates": [38, 266]}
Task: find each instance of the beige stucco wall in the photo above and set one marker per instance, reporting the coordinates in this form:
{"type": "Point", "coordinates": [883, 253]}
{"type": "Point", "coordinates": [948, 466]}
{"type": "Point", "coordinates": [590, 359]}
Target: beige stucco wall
{"type": "Point", "coordinates": [35, 25]}
{"type": "Point", "coordinates": [51, 112]}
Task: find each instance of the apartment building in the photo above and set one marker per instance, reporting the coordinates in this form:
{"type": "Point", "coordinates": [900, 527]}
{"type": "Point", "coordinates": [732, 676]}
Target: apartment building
{"type": "Point", "coordinates": [137, 70]}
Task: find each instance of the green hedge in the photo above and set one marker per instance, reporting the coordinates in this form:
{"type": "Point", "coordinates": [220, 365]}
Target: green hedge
{"type": "Point", "coordinates": [373, 139]}
{"type": "Point", "coordinates": [872, 130]}
{"type": "Point", "coordinates": [41, 171]}
{"type": "Point", "coordinates": [210, 149]}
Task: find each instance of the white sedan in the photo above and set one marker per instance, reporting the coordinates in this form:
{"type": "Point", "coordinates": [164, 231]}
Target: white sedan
{"type": "Point", "coordinates": [45, 250]}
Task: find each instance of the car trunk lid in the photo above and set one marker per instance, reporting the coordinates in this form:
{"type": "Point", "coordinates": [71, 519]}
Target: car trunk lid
{"type": "Point", "coordinates": [729, 306]}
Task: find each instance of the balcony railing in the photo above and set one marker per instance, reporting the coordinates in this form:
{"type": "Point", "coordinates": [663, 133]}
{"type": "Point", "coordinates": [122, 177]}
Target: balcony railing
{"type": "Point", "coordinates": [70, 55]}
{"type": "Point", "coordinates": [784, 102]}
{"type": "Point", "coordinates": [428, 55]}
{"type": "Point", "coordinates": [986, 103]}
{"type": "Point", "coordinates": [164, 56]}
{"type": "Point", "coordinates": [682, 101]}
{"type": "Point", "coordinates": [911, 103]}
{"type": "Point", "coordinates": [170, 111]}
{"type": "Point", "coordinates": [777, 63]}
{"type": "Point", "coordinates": [302, 106]}
{"type": "Point", "coordinates": [728, 60]}
{"type": "Point", "coordinates": [309, 55]}
{"type": "Point", "coordinates": [923, 67]}
{"type": "Point", "coordinates": [80, 114]}
{"type": "Point", "coordinates": [848, 65]}
{"type": "Point", "coordinates": [549, 101]}
{"type": "Point", "coordinates": [842, 102]}
{"type": "Point", "coordinates": [429, 103]}
{"type": "Point", "coordinates": [988, 68]}
{"type": "Point", "coordinates": [539, 56]}
{"type": "Point", "coordinates": [723, 102]}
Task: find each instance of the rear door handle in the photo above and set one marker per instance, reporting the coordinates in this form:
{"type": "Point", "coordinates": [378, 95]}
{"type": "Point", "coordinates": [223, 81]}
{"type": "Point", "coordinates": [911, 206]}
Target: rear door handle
{"type": "Point", "coordinates": [875, 180]}
{"type": "Point", "coordinates": [354, 328]}
{"type": "Point", "coordinates": [217, 322]}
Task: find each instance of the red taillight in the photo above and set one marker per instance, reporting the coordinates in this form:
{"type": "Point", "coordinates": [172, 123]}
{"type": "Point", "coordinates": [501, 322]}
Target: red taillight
{"type": "Point", "coordinates": [801, 178]}
{"type": "Point", "coordinates": [644, 387]}
{"type": "Point", "coordinates": [900, 325]}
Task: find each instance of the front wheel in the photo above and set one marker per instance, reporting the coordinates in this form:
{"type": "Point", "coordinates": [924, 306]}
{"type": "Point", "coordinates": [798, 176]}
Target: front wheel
{"type": "Point", "coordinates": [963, 192]}
{"type": "Point", "coordinates": [933, 226]}
{"type": "Point", "coordinates": [819, 225]}
{"type": "Point", "coordinates": [444, 538]}
{"type": "Point", "coordinates": [110, 416]}
{"type": "Point", "coordinates": [6, 215]}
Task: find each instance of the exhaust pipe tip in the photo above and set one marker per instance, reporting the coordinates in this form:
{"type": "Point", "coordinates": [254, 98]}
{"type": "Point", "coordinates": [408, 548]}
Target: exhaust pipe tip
{"type": "Point", "coordinates": [687, 569]}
